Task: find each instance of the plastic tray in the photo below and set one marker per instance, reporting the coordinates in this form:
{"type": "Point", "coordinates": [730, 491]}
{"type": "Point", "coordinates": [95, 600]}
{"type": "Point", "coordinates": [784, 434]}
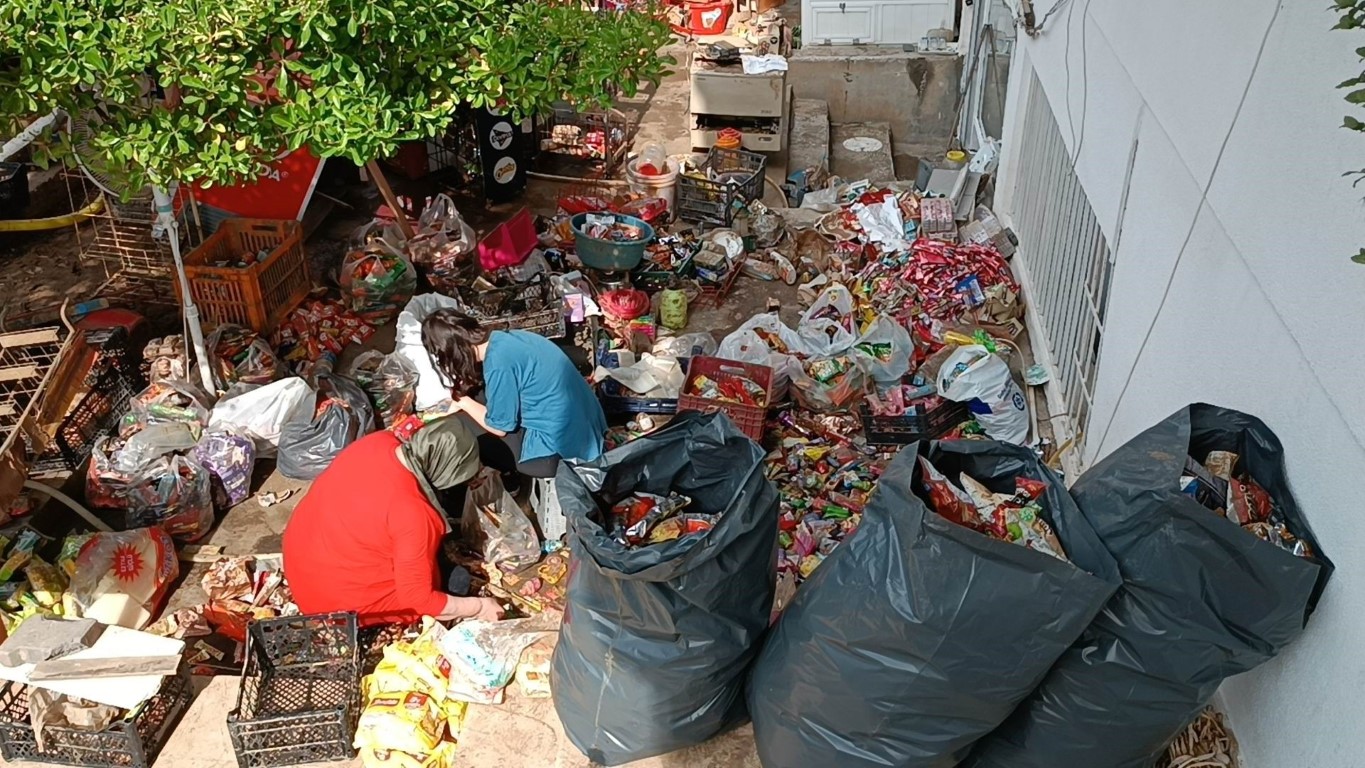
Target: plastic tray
{"type": "Point", "coordinates": [750, 419]}
{"type": "Point", "coordinates": [703, 200]}
{"type": "Point", "coordinates": [300, 695]}
{"type": "Point", "coordinates": [132, 742]}
{"type": "Point", "coordinates": [915, 425]}
{"type": "Point", "coordinates": [259, 296]}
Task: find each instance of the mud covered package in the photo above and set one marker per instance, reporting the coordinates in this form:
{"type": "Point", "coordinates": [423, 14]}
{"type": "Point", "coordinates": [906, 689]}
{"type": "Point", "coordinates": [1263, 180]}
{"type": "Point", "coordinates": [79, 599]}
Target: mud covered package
{"type": "Point", "coordinates": [1202, 599]}
{"type": "Point", "coordinates": [657, 639]}
{"type": "Point", "coordinates": [919, 635]}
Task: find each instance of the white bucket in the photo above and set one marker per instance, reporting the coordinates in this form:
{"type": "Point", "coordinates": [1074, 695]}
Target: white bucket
{"type": "Point", "coordinates": [662, 185]}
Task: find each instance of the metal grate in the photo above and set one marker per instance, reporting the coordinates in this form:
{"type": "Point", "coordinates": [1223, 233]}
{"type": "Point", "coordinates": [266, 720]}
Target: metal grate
{"type": "Point", "coordinates": [1064, 254]}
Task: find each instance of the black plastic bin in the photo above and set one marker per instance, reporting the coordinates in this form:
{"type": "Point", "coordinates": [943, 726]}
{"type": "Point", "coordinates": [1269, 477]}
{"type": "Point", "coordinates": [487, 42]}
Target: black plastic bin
{"type": "Point", "coordinates": [300, 695]}
{"type": "Point", "coordinates": [914, 425]}
{"type": "Point", "coordinates": [132, 742]}
{"type": "Point", "coordinates": [709, 201]}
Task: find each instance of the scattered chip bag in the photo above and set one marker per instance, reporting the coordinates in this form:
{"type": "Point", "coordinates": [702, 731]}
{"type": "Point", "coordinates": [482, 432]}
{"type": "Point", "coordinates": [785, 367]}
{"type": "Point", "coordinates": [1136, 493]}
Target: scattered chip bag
{"type": "Point", "coordinates": [46, 582]}
{"type": "Point", "coordinates": [443, 756]}
{"type": "Point", "coordinates": [533, 671]}
{"type": "Point", "coordinates": [402, 722]}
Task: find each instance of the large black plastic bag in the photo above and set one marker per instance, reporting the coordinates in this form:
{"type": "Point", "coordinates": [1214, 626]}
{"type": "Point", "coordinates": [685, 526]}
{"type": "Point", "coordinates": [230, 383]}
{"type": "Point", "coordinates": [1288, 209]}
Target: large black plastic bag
{"type": "Point", "coordinates": [308, 447]}
{"type": "Point", "coordinates": [1202, 600]}
{"type": "Point", "coordinates": [918, 636]}
{"type": "Point", "coordinates": [656, 641]}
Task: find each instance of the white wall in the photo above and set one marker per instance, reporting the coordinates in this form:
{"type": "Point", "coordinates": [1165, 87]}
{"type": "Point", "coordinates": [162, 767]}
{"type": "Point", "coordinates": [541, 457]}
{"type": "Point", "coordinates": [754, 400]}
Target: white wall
{"type": "Point", "coordinates": [1264, 312]}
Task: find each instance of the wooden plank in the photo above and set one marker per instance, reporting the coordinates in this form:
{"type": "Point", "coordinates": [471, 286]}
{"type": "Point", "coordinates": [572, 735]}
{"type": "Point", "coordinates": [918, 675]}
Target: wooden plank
{"type": "Point", "coordinates": [72, 669]}
{"type": "Point", "coordinates": [18, 373]}
{"type": "Point", "coordinates": [30, 338]}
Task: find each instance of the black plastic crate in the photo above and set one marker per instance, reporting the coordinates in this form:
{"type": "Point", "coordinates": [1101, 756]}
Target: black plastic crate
{"type": "Point", "coordinates": [13, 190]}
{"type": "Point", "coordinates": [916, 425]}
{"type": "Point", "coordinates": [133, 741]}
{"type": "Point", "coordinates": [708, 201]}
{"type": "Point", "coordinates": [300, 695]}
{"type": "Point", "coordinates": [97, 414]}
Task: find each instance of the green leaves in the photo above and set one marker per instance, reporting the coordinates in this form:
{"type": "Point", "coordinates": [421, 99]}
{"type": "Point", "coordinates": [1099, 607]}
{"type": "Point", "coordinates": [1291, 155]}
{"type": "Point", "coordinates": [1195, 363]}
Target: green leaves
{"type": "Point", "coordinates": [249, 78]}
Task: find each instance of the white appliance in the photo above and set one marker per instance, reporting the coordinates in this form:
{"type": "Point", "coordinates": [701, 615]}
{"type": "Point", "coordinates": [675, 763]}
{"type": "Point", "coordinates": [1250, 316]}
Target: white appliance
{"type": "Point", "coordinates": [872, 22]}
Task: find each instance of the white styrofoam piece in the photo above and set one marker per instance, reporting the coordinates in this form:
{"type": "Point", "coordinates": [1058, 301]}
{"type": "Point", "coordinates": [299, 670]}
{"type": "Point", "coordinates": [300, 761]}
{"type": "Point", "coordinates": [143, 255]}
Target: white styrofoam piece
{"type": "Point", "coordinates": [116, 642]}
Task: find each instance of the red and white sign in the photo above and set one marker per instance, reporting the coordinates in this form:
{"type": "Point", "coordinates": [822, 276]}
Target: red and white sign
{"type": "Point", "coordinates": [281, 192]}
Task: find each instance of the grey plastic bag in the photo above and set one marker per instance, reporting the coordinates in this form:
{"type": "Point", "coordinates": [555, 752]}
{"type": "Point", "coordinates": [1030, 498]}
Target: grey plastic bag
{"type": "Point", "coordinates": [1202, 600]}
{"type": "Point", "coordinates": [344, 415]}
{"type": "Point", "coordinates": [656, 641]}
{"type": "Point", "coordinates": [918, 636]}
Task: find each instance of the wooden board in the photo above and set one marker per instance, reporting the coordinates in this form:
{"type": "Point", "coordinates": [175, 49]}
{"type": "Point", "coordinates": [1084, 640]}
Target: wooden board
{"type": "Point", "coordinates": [123, 692]}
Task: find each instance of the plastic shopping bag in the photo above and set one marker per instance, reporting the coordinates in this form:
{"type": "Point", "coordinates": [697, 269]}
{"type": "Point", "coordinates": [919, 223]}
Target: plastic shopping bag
{"type": "Point", "coordinates": [975, 376]}
{"type": "Point", "coordinates": [263, 412]}
{"type": "Point", "coordinates": [885, 349]}
{"type": "Point", "coordinates": [121, 578]}
{"type": "Point", "coordinates": [494, 519]}
{"type": "Point", "coordinates": [431, 390]}
{"type": "Point", "coordinates": [174, 493]}
{"type": "Point", "coordinates": [343, 416]}
{"type": "Point", "coordinates": [829, 326]}
{"type": "Point", "coordinates": [765, 340]}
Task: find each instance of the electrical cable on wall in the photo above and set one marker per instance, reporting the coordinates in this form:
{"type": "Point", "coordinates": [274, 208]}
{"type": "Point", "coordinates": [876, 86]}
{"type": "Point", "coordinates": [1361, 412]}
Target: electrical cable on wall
{"type": "Point", "coordinates": [1189, 235]}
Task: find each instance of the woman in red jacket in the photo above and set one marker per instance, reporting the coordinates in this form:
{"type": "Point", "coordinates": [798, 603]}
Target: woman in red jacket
{"type": "Point", "coordinates": [367, 534]}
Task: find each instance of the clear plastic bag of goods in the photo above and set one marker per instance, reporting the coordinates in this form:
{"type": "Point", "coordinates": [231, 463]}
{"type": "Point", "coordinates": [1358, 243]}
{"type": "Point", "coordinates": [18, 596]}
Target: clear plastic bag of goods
{"type": "Point", "coordinates": [121, 578]}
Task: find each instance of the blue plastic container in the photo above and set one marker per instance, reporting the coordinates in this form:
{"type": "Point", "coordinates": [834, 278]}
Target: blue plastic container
{"type": "Point", "coordinates": [610, 255]}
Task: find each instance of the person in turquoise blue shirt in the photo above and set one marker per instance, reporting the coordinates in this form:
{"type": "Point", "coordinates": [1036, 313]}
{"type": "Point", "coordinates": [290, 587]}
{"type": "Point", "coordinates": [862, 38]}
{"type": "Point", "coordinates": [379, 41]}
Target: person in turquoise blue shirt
{"type": "Point", "coordinates": [534, 399]}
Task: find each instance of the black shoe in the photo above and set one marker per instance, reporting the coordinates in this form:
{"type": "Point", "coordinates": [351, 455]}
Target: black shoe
{"type": "Point", "coordinates": [511, 482]}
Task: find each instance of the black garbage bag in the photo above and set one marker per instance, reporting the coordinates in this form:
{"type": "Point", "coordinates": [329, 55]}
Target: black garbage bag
{"type": "Point", "coordinates": [344, 414]}
{"type": "Point", "coordinates": [656, 641]}
{"type": "Point", "coordinates": [918, 636]}
{"type": "Point", "coordinates": [1202, 600]}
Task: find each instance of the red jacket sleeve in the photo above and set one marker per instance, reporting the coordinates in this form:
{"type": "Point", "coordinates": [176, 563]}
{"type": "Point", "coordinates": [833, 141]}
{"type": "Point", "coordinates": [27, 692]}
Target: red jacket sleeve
{"type": "Point", "coordinates": [416, 531]}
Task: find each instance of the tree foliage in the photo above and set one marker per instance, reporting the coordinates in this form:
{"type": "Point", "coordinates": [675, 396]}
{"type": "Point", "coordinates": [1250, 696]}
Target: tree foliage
{"type": "Point", "coordinates": [244, 80]}
{"type": "Point", "coordinates": [1351, 16]}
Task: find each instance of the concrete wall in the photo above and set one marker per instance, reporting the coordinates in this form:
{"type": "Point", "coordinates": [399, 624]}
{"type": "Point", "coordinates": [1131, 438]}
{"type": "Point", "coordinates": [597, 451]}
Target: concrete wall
{"type": "Point", "coordinates": [1215, 297]}
{"type": "Point", "coordinates": [914, 93]}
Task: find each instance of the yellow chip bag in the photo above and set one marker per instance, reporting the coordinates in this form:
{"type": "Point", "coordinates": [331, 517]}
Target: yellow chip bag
{"type": "Point", "coordinates": [455, 712]}
{"type": "Point", "coordinates": [46, 581]}
{"type": "Point", "coordinates": [422, 664]}
{"type": "Point", "coordinates": [402, 722]}
{"type": "Point", "coordinates": [441, 757]}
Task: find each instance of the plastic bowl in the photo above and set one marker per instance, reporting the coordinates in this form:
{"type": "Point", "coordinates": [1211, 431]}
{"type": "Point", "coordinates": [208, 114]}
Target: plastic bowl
{"type": "Point", "coordinates": [610, 255]}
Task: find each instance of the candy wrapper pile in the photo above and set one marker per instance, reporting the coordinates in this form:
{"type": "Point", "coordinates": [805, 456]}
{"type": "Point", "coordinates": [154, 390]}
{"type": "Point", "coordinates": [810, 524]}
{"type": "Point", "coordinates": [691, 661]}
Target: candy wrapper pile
{"type": "Point", "coordinates": [644, 518]}
{"type": "Point", "coordinates": [1221, 486]}
{"type": "Point", "coordinates": [318, 327]}
{"type": "Point", "coordinates": [824, 480]}
{"type": "Point", "coordinates": [1015, 518]}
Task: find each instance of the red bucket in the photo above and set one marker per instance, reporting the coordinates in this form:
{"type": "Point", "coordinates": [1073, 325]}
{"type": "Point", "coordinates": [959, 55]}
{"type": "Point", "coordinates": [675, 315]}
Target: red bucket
{"type": "Point", "coordinates": [708, 18]}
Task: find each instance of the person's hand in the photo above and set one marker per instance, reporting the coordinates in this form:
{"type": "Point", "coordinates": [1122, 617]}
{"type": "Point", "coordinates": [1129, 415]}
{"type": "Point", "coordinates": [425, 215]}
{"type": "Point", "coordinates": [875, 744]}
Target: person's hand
{"type": "Point", "coordinates": [489, 610]}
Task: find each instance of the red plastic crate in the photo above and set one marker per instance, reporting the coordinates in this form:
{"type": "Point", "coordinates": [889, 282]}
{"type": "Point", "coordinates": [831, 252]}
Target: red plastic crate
{"type": "Point", "coordinates": [748, 418]}
{"type": "Point", "coordinates": [510, 243]}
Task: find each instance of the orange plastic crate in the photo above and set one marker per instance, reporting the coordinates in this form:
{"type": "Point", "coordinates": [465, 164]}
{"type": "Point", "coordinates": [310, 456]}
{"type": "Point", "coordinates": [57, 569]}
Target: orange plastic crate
{"type": "Point", "coordinates": [259, 296]}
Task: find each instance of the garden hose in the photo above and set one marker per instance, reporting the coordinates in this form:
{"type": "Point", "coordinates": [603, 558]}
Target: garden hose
{"type": "Point", "coordinates": [55, 222]}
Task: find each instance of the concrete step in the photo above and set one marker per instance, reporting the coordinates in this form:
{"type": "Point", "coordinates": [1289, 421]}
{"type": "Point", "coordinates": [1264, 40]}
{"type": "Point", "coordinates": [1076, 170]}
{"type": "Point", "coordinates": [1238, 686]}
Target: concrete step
{"type": "Point", "coordinates": [809, 140]}
{"type": "Point", "coordinates": [862, 151]}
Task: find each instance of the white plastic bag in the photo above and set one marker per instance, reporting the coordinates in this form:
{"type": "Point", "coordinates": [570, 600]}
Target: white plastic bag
{"type": "Point", "coordinates": [430, 389]}
{"type": "Point", "coordinates": [890, 369]}
{"type": "Point", "coordinates": [745, 345]}
{"type": "Point", "coordinates": [686, 345]}
{"type": "Point", "coordinates": [825, 335]}
{"type": "Point", "coordinates": [487, 652]}
{"type": "Point", "coordinates": [972, 374]}
{"type": "Point", "coordinates": [493, 517]}
{"type": "Point", "coordinates": [262, 413]}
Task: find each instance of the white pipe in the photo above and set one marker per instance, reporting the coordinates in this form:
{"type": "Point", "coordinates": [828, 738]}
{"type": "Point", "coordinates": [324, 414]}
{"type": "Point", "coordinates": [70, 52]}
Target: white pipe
{"type": "Point", "coordinates": [75, 506]}
{"type": "Point", "coordinates": [27, 136]}
{"type": "Point", "coordinates": [166, 218]}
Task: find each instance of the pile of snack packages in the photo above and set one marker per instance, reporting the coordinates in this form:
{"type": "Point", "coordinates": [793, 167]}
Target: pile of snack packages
{"type": "Point", "coordinates": [416, 698]}
{"type": "Point", "coordinates": [1227, 489]}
